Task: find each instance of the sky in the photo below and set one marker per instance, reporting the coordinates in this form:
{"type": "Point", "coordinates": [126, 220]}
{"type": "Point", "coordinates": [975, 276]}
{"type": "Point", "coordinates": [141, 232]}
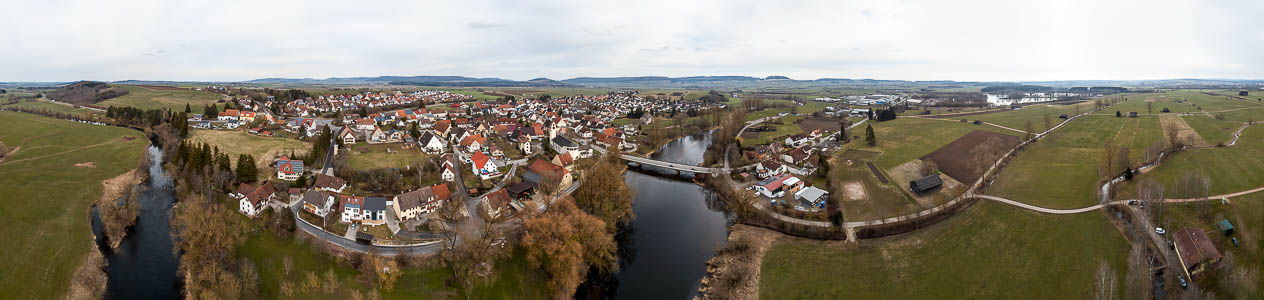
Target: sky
{"type": "Point", "coordinates": [965, 40]}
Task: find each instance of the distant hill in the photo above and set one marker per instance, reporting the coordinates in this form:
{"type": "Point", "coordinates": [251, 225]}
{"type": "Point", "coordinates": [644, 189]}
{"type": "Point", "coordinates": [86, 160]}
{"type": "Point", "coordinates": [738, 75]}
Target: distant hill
{"type": "Point", "coordinates": [86, 92]}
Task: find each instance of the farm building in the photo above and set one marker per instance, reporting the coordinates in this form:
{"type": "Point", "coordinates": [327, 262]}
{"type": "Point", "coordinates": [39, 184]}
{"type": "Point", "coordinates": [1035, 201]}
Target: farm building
{"type": "Point", "coordinates": [812, 196]}
{"type": "Point", "coordinates": [925, 184]}
{"type": "Point", "coordinates": [1132, 114]}
{"type": "Point", "coordinates": [777, 186]}
{"type": "Point", "coordinates": [1194, 249]}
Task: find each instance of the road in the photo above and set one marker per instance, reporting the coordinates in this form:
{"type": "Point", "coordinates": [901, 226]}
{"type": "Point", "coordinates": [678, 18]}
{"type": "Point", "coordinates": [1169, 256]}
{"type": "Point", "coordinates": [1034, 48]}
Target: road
{"type": "Point", "coordinates": [427, 248]}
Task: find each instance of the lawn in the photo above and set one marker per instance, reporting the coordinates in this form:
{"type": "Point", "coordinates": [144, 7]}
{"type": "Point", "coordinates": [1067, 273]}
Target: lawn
{"type": "Point", "coordinates": [51, 107]}
{"type": "Point", "coordinates": [882, 200]}
{"type": "Point", "coordinates": [366, 156]}
{"type": "Point", "coordinates": [237, 142]}
{"type": "Point", "coordinates": [1018, 119]}
{"type": "Point", "coordinates": [147, 98]}
{"type": "Point", "coordinates": [1231, 169]}
{"type": "Point", "coordinates": [989, 251]}
{"type": "Point", "coordinates": [47, 229]}
{"type": "Point", "coordinates": [787, 127]}
{"type": "Point", "coordinates": [1061, 170]}
{"type": "Point", "coordinates": [905, 139]}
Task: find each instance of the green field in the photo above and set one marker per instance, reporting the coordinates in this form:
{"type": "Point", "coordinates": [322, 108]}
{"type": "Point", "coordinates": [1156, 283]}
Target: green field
{"type": "Point", "coordinates": [1017, 119]}
{"type": "Point", "coordinates": [365, 156]}
{"type": "Point", "coordinates": [51, 107]}
{"type": "Point", "coordinates": [1231, 169]}
{"type": "Point", "coordinates": [147, 98]}
{"type": "Point", "coordinates": [905, 139]}
{"type": "Point", "coordinates": [1212, 130]}
{"type": "Point", "coordinates": [47, 225]}
{"type": "Point", "coordinates": [1193, 100]}
{"type": "Point", "coordinates": [1061, 170]}
{"type": "Point", "coordinates": [882, 200]}
{"type": "Point", "coordinates": [989, 251]}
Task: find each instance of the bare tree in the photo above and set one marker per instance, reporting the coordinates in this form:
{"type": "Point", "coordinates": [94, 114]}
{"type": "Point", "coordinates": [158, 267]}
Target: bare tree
{"type": "Point", "coordinates": [1150, 107]}
{"type": "Point", "coordinates": [1123, 160]}
{"type": "Point", "coordinates": [1151, 191]}
{"type": "Point", "coordinates": [1109, 153]}
{"type": "Point", "coordinates": [1105, 281]}
{"type": "Point", "coordinates": [1173, 134]}
{"type": "Point", "coordinates": [986, 154]}
{"type": "Point", "coordinates": [1029, 130]}
{"type": "Point", "coordinates": [1048, 122]}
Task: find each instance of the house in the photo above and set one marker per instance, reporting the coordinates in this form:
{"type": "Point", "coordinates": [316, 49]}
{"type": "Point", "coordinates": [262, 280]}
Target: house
{"type": "Point", "coordinates": [347, 136]}
{"type": "Point", "coordinates": [777, 186]}
{"type": "Point", "coordinates": [565, 161]}
{"type": "Point", "coordinates": [373, 212]}
{"type": "Point", "coordinates": [494, 203]}
{"type": "Point", "coordinates": [329, 183]}
{"type": "Point", "coordinates": [473, 143]}
{"type": "Point", "coordinates": [925, 184]}
{"type": "Point", "coordinates": [561, 144]}
{"type": "Point", "coordinates": [252, 200]}
{"type": "Point", "coordinates": [812, 197]}
{"type": "Point", "coordinates": [611, 141]}
{"type": "Point", "coordinates": [431, 143]}
{"type": "Point", "coordinates": [246, 116]}
{"type": "Point", "coordinates": [798, 140]}
{"type": "Point", "coordinates": [448, 174]}
{"type": "Point", "coordinates": [1195, 250]}
{"type": "Point", "coordinates": [376, 135]}
{"type": "Point", "coordinates": [483, 166]}
{"type": "Point", "coordinates": [419, 202]}
{"type": "Point", "coordinates": [289, 169]}
{"type": "Point", "coordinates": [547, 172]}
{"type": "Point", "coordinates": [524, 144]}
{"type": "Point", "coordinates": [796, 156]}
{"type": "Point", "coordinates": [769, 168]}
{"type": "Point", "coordinates": [228, 115]}
{"type": "Point", "coordinates": [317, 202]}
{"type": "Point", "coordinates": [351, 206]}
{"type": "Point", "coordinates": [521, 189]}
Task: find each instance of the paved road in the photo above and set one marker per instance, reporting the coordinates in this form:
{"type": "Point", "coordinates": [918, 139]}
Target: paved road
{"type": "Point", "coordinates": [428, 248]}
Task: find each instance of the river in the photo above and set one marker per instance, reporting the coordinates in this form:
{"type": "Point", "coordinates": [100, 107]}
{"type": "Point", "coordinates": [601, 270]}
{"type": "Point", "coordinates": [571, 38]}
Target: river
{"type": "Point", "coordinates": [144, 266]}
{"type": "Point", "coordinates": [678, 227]}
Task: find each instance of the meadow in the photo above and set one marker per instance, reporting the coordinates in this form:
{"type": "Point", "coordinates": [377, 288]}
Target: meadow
{"type": "Point", "coordinates": [47, 228]}
{"type": "Point", "coordinates": [988, 251]}
{"type": "Point", "coordinates": [147, 98]}
{"type": "Point", "coordinates": [1231, 169]}
{"type": "Point", "coordinates": [1061, 170]}
{"type": "Point", "coordinates": [907, 138]}
{"type": "Point", "coordinates": [237, 142]}
{"type": "Point", "coordinates": [51, 107]}
{"type": "Point", "coordinates": [366, 156]}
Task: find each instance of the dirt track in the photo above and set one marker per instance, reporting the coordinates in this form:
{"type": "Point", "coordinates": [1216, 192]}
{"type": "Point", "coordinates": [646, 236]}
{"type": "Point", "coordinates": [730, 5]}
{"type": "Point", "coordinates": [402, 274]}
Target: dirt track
{"type": "Point", "coordinates": [956, 159]}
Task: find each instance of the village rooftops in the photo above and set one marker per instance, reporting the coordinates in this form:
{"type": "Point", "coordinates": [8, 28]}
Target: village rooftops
{"type": "Point", "coordinates": [564, 142]}
{"type": "Point", "coordinates": [415, 198]}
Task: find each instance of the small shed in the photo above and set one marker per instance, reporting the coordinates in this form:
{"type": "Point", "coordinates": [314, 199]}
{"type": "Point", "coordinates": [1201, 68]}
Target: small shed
{"type": "Point", "coordinates": [1132, 114]}
{"type": "Point", "coordinates": [1225, 226]}
{"type": "Point", "coordinates": [1062, 116]}
{"type": "Point", "coordinates": [925, 184]}
{"type": "Point", "coordinates": [1166, 110]}
{"type": "Point", "coordinates": [364, 238]}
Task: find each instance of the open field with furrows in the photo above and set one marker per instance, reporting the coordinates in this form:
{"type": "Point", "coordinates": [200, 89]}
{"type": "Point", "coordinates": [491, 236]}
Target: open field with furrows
{"type": "Point", "coordinates": [905, 139]}
{"type": "Point", "coordinates": [47, 219]}
{"type": "Point", "coordinates": [988, 251]}
{"type": "Point", "coordinates": [51, 107]}
{"type": "Point", "coordinates": [1231, 169]}
{"type": "Point", "coordinates": [1018, 119]}
{"type": "Point", "coordinates": [1061, 170]}
{"type": "Point", "coordinates": [1191, 100]}
{"type": "Point", "coordinates": [237, 142]}
{"type": "Point", "coordinates": [147, 98]}
{"type": "Point", "coordinates": [365, 156]}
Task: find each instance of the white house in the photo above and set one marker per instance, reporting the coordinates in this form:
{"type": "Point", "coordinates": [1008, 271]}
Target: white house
{"type": "Point", "coordinates": [769, 168]}
{"type": "Point", "coordinates": [561, 144]}
{"type": "Point", "coordinates": [329, 183]}
{"type": "Point", "coordinates": [350, 206]}
{"type": "Point", "coordinates": [373, 212]}
{"type": "Point", "coordinates": [289, 169]}
{"type": "Point", "coordinates": [431, 143]}
{"type": "Point", "coordinates": [483, 166]}
{"type": "Point", "coordinates": [317, 202]}
{"type": "Point", "coordinates": [252, 200]}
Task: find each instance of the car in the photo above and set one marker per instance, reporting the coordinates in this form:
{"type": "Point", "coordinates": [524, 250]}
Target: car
{"type": "Point", "coordinates": [1134, 202]}
{"type": "Point", "coordinates": [1184, 284]}
{"type": "Point", "coordinates": [1159, 230]}
{"type": "Point", "coordinates": [1235, 241]}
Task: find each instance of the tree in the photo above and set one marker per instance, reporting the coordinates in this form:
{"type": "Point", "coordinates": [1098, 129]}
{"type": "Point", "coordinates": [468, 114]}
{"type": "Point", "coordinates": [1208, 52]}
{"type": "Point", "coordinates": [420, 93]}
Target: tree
{"type": "Point", "coordinates": [1048, 122]}
{"type": "Point", "coordinates": [246, 170]}
{"type": "Point", "coordinates": [187, 109]}
{"type": "Point", "coordinates": [604, 193]}
{"type": "Point", "coordinates": [1150, 107]}
{"type": "Point", "coordinates": [986, 154]}
{"type": "Point", "coordinates": [565, 242]}
{"type": "Point", "coordinates": [1109, 152]}
{"type": "Point", "coordinates": [1173, 133]}
{"type": "Point", "coordinates": [387, 271]}
{"type": "Point", "coordinates": [844, 134]}
{"type": "Point", "coordinates": [1105, 281]}
{"type": "Point", "coordinates": [1029, 131]}
{"type": "Point", "coordinates": [869, 136]}
{"type": "Point", "coordinates": [414, 132]}
{"type": "Point", "coordinates": [1119, 114]}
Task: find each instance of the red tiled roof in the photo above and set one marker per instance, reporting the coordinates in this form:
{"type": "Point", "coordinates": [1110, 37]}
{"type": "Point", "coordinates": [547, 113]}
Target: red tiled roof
{"type": "Point", "coordinates": [480, 160]}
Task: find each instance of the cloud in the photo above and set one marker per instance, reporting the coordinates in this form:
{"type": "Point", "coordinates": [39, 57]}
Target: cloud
{"type": "Point", "coordinates": [917, 40]}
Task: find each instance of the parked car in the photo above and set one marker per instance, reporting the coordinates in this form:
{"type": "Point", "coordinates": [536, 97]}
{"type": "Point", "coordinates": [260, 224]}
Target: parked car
{"type": "Point", "coordinates": [1235, 241]}
{"type": "Point", "coordinates": [1160, 230]}
{"type": "Point", "coordinates": [1184, 284]}
{"type": "Point", "coordinates": [1133, 202]}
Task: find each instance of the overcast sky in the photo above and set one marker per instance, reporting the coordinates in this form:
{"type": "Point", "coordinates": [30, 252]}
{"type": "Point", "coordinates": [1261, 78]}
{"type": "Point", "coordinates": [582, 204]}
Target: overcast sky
{"type": "Point", "coordinates": [50, 40]}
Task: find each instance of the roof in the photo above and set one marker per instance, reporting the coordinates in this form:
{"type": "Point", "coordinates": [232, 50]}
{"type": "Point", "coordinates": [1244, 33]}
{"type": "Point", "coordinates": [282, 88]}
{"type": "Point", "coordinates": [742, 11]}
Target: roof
{"type": "Point", "coordinates": [296, 166]}
{"type": "Point", "coordinates": [352, 201]}
{"type": "Point", "coordinates": [498, 199]}
{"type": "Point", "coordinates": [414, 199]}
{"type": "Point", "coordinates": [442, 193]}
{"type": "Point", "coordinates": [480, 160]}
{"type": "Point", "coordinates": [520, 187]}
{"type": "Point", "coordinates": [811, 194]}
{"type": "Point", "coordinates": [326, 181]}
{"type": "Point", "coordinates": [770, 164]}
{"type": "Point", "coordinates": [775, 182]}
{"type": "Point", "coordinates": [315, 197]}
{"type": "Point", "coordinates": [564, 142]}
{"type": "Point", "coordinates": [926, 183]}
{"type": "Point", "coordinates": [548, 169]}
{"type": "Point", "coordinates": [1194, 247]}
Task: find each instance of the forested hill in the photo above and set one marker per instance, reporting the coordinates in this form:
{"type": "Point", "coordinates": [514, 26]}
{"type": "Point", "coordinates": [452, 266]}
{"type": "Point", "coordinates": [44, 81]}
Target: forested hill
{"type": "Point", "coordinates": [86, 92]}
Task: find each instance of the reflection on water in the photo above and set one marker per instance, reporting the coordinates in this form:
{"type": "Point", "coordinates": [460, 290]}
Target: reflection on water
{"type": "Point", "coordinates": [144, 266]}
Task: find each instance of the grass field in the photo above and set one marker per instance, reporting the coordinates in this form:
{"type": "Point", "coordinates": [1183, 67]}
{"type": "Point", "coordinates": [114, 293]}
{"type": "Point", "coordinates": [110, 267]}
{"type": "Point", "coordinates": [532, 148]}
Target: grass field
{"type": "Point", "coordinates": [47, 226]}
{"type": "Point", "coordinates": [236, 142]}
{"type": "Point", "coordinates": [365, 156]}
{"type": "Point", "coordinates": [788, 127]}
{"type": "Point", "coordinates": [1231, 169]}
{"type": "Point", "coordinates": [1212, 130]}
{"type": "Point", "coordinates": [1017, 119]}
{"type": "Point", "coordinates": [51, 107]}
{"type": "Point", "coordinates": [989, 251]}
{"type": "Point", "coordinates": [1193, 100]}
{"type": "Point", "coordinates": [1060, 171]}
{"type": "Point", "coordinates": [905, 139]}
{"type": "Point", "coordinates": [147, 98]}
{"type": "Point", "coordinates": [881, 200]}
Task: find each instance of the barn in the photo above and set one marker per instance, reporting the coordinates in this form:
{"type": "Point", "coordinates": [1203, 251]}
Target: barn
{"type": "Point", "coordinates": [925, 184]}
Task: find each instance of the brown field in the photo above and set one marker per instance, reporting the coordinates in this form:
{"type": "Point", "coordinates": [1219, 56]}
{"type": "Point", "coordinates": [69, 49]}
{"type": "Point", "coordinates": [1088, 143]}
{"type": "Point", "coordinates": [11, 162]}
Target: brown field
{"type": "Point", "coordinates": [750, 135]}
{"type": "Point", "coordinates": [965, 114]}
{"type": "Point", "coordinates": [955, 158]}
{"type": "Point", "coordinates": [1184, 131]}
{"type": "Point", "coordinates": [824, 124]}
